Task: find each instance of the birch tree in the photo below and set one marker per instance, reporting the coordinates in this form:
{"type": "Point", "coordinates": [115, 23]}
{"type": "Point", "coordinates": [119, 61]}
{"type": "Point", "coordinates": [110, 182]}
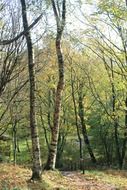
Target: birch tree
{"type": "Point", "coordinates": [36, 170]}
{"type": "Point", "coordinates": [60, 17]}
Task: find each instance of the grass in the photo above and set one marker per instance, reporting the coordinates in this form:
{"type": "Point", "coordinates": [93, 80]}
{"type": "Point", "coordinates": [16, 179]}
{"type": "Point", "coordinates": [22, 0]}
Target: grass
{"type": "Point", "coordinates": [116, 178]}
{"type": "Point", "coordinates": [13, 177]}
{"type": "Point", "coordinates": [54, 179]}
{"type": "Point", "coordinates": [17, 178]}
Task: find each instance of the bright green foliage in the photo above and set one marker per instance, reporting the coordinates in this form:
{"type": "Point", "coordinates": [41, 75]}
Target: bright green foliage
{"type": "Point", "coordinates": [96, 62]}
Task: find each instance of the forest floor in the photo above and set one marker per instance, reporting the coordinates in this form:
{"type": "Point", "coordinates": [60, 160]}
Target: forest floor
{"type": "Point", "coordinates": [17, 178]}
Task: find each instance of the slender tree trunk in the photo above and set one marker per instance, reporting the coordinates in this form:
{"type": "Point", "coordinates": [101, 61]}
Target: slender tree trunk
{"type": "Point", "coordinates": [14, 142]}
{"type": "Point", "coordinates": [36, 170]}
{"type": "Point", "coordinates": [60, 148]}
{"type": "Point", "coordinates": [44, 128]}
{"type": "Point", "coordinates": [125, 134]}
{"type": "Point", "coordinates": [56, 117]}
{"type": "Point", "coordinates": [106, 149]}
{"type": "Point", "coordinates": [83, 125]}
{"type": "Point", "coordinates": [76, 118]}
{"type": "Point", "coordinates": [115, 118]}
{"type": "Point", "coordinates": [55, 129]}
{"type": "Point", "coordinates": [49, 109]}
{"type": "Point", "coordinates": [117, 145]}
{"type": "Point", "coordinates": [123, 153]}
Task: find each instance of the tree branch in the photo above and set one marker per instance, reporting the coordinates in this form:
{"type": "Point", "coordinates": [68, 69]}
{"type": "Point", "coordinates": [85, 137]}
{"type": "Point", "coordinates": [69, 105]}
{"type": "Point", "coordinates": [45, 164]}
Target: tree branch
{"type": "Point", "coordinates": [9, 41]}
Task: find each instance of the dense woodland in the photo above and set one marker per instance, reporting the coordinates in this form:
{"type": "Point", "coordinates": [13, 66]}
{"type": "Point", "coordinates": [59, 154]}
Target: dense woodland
{"type": "Point", "coordinates": [63, 84]}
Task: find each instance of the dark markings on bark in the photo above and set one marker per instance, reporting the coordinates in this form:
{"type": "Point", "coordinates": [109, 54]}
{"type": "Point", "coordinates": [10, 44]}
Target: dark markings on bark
{"type": "Point", "coordinates": [36, 170]}
{"type": "Point", "coordinates": [83, 125]}
{"type": "Point", "coordinates": [51, 162]}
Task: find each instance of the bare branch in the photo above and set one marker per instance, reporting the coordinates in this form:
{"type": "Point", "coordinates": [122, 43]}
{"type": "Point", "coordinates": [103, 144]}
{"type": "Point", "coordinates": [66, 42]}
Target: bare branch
{"type": "Point", "coordinates": [6, 42]}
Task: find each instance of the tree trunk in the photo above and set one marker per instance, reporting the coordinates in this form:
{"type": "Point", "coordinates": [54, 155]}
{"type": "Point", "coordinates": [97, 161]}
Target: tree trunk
{"type": "Point", "coordinates": [76, 120]}
{"type": "Point", "coordinates": [44, 129]}
{"type": "Point", "coordinates": [56, 117]}
{"type": "Point", "coordinates": [55, 129]}
{"type": "Point", "coordinates": [36, 170]}
{"type": "Point", "coordinates": [115, 118]}
{"type": "Point", "coordinates": [83, 125]}
{"type": "Point", "coordinates": [14, 142]}
{"type": "Point", "coordinates": [126, 2]}
{"type": "Point", "coordinates": [60, 148]}
{"type": "Point", "coordinates": [125, 134]}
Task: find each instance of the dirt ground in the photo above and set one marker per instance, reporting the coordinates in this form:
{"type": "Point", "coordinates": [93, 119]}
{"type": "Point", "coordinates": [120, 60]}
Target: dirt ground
{"type": "Point", "coordinates": [80, 182]}
{"type": "Point", "coordinates": [17, 177]}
